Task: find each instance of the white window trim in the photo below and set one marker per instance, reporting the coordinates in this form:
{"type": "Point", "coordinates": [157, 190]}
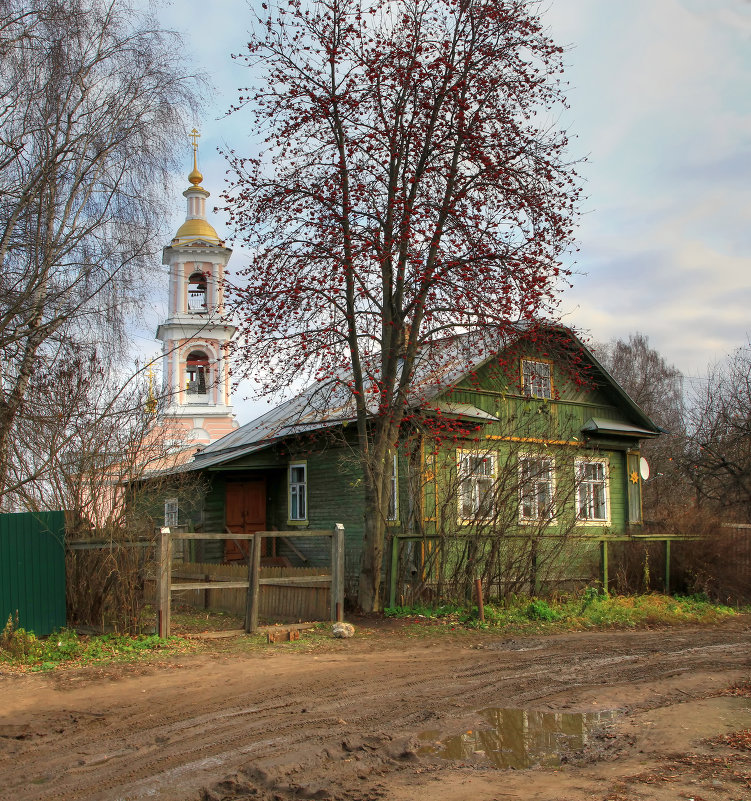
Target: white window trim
{"type": "Point", "coordinates": [304, 484]}
{"type": "Point", "coordinates": [394, 489]}
{"type": "Point", "coordinates": [530, 394]}
{"type": "Point", "coordinates": [580, 521]}
{"type": "Point", "coordinates": [460, 454]}
{"type": "Point", "coordinates": [528, 521]}
{"type": "Point", "coordinates": [171, 507]}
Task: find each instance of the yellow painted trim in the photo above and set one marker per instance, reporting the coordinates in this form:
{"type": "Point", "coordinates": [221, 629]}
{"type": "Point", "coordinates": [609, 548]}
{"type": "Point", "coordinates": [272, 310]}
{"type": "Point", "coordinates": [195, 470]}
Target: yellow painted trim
{"type": "Point", "coordinates": [535, 440]}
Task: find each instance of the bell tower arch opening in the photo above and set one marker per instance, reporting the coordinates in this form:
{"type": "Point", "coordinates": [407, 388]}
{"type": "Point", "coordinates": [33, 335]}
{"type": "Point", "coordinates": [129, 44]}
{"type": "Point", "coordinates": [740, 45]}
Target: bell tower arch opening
{"type": "Point", "coordinates": [198, 292]}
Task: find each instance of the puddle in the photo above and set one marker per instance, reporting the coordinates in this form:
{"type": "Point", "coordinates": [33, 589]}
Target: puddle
{"type": "Point", "coordinates": [517, 738]}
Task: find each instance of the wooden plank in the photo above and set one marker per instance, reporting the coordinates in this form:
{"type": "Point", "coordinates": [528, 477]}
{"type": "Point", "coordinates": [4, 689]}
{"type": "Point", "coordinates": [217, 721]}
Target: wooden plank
{"type": "Point", "coordinates": [251, 617]}
{"type": "Point", "coordinates": [337, 573]}
{"type": "Point", "coordinates": [92, 545]}
{"type": "Point", "coordinates": [210, 585]}
{"type": "Point", "coordinates": [164, 596]}
{"type": "Point", "coordinates": [291, 545]}
{"type": "Point", "coordinates": [249, 592]}
{"type": "Point", "coordinates": [222, 535]}
{"type": "Point", "coordinates": [303, 532]}
{"type": "Point", "coordinates": [290, 581]}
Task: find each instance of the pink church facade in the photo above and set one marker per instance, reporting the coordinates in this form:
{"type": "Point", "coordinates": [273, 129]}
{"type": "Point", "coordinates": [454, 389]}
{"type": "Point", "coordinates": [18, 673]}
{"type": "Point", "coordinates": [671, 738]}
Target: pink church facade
{"type": "Point", "coordinates": [196, 373]}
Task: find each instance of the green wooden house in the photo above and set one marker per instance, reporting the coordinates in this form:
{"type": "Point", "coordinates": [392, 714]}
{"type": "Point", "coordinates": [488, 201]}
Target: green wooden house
{"type": "Point", "coordinates": [528, 439]}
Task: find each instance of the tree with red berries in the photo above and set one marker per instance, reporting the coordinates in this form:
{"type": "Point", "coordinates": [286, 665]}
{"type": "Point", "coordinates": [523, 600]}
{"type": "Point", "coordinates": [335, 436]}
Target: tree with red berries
{"type": "Point", "coordinates": [413, 187]}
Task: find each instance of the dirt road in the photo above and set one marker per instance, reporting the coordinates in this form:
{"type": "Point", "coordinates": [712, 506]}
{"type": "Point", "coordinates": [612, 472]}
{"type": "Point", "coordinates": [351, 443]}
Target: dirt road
{"type": "Point", "coordinates": [371, 717]}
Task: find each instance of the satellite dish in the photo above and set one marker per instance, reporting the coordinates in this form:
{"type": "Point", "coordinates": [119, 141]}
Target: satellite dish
{"type": "Point", "coordinates": [644, 468]}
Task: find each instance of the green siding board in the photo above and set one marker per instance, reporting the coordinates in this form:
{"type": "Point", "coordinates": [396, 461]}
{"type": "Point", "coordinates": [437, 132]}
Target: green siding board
{"type": "Point", "coordinates": [32, 570]}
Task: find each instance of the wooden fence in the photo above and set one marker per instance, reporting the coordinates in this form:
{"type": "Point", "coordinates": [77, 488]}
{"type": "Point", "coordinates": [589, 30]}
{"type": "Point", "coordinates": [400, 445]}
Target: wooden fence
{"type": "Point", "coordinates": [252, 584]}
{"type": "Point", "coordinates": [301, 602]}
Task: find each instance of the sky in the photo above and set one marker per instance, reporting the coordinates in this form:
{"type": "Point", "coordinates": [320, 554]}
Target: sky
{"type": "Point", "coordinates": [660, 108]}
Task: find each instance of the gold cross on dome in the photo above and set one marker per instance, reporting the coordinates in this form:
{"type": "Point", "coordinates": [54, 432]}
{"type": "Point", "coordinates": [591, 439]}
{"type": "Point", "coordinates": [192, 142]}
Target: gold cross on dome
{"type": "Point", "coordinates": [194, 135]}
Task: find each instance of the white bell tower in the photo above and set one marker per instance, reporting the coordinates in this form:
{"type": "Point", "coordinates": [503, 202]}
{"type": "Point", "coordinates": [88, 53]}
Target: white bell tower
{"type": "Point", "coordinates": [194, 339]}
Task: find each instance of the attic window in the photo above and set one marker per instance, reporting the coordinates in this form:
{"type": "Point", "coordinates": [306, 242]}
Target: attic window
{"type": "Point", "coordinates": [197, 292]}
{"type": "Point", "coordinates": [537, 381]}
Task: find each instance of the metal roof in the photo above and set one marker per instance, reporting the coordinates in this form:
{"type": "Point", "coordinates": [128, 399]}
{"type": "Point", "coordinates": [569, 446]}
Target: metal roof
{"type": "Point", "coordinates": [438, 366]}
{"type": "Point", "coordinates": [597, 425]}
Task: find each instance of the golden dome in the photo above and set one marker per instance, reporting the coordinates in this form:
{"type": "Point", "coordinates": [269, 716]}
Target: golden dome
{"type": "Point", "coordinates": [195, 176]}
{"type": "Point", "coordinates": [196, 229]}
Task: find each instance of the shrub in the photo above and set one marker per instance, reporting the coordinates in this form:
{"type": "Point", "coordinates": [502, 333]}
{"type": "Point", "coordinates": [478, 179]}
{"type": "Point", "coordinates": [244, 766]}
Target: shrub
{"type": "Point", "coordinates": [17, 643]}
{"type": "Point", "coordinates": [541, 610]}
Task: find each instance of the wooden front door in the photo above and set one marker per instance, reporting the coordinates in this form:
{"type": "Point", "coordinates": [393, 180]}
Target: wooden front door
{"type": "Point", "coordinates": [245, 513]}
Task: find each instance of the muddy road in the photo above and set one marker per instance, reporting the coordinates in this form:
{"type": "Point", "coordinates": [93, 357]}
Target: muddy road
{"type": "Point", "coordinates": [373, 717]}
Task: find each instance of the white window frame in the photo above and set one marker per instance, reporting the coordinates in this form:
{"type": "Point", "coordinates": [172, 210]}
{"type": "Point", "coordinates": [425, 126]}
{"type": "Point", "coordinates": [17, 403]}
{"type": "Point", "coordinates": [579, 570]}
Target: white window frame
{"type": "Point", "coordinates": [584, 485]}
{"type": "Point", "coordinates": [537, 383]}
{"type": "Point", "coordinates": [171, 512]}
{"type": "Point", "coordinates": [393, 513]}
{"type": "Point", "coordinates": [536, 517]}
{"type": "Point", "coordinates": [296, 491]}
{"type": "Point", "coordinates": [474, 480]}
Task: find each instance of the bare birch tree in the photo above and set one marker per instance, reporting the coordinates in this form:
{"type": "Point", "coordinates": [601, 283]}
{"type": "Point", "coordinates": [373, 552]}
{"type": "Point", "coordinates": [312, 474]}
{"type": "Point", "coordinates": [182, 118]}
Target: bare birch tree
{"type": "Point", "coordinates": [657, 387]}
{"type": "Point", "coordinates": [718, 456]}
{"type": "Point", "coordinates": [92, 98]}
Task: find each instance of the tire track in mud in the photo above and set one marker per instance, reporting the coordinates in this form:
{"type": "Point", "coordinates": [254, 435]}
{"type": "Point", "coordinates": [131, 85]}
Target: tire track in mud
{"type": "Point", "coordinates": [166, 742]}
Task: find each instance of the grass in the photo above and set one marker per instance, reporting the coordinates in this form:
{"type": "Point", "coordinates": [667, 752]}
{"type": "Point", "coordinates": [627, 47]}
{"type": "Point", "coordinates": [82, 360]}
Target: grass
{"type": "Point", "coordinates": [586, 611]}
{"type": "Point", "coordinates": [22, 651]}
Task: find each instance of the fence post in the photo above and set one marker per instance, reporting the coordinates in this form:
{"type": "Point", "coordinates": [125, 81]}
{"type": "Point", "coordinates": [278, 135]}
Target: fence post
{"type": "Point", "coordinates": [394, 569]}
{"type": "Point", "coordinates": [667, 567]}
{"type": "Point", "coordinates": [480, 605]}
{"type": "Point", "coordinates": [164, 582]}
{"type": "Point", "coordinates": [604, 564]}
{"type": "Point", "coordinates": [337, 573]}
{"type": "Point", "coordinates": [254, 574]}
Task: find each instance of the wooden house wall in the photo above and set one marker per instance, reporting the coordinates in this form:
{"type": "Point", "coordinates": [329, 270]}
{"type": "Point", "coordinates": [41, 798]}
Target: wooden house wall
{"type": "Point", "coordinates": [537, 421]}
{"type": "Point", "coordinates": [334, 480]}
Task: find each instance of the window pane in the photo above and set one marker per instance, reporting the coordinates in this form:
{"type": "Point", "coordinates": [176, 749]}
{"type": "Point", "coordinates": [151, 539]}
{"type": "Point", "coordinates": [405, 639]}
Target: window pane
{"type": "Point", "coordinates": [536, 379]}
{"type": "Point", "coordinates": [536, 488]}
{"type": "Point", "coordinates": [592, 493]}
{"type": "Point", "coordinates": [297, 493]}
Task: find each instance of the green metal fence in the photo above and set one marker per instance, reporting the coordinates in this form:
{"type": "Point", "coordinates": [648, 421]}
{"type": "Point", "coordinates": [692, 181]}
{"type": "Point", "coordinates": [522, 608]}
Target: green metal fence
{"type": "Point", "coordinates": [32, 570]}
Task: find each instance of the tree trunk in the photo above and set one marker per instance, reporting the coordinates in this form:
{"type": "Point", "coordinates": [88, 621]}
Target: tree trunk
{"type": "Point", "coordinates": [369, 594]}
{"type": "Point", "coordinates": [376, 467]}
